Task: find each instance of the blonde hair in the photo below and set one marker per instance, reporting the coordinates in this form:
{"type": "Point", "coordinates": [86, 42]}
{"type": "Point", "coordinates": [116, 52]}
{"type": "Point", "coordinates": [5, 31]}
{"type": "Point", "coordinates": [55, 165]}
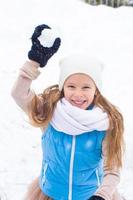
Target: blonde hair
{"type": "Point", "coordinates": [42, 108]}
{"type": "Point", "coordinates": [115, 133]}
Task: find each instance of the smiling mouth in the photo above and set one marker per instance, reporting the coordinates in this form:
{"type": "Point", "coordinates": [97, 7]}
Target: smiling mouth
{"type": "Point", "coordinates": [78, 103]}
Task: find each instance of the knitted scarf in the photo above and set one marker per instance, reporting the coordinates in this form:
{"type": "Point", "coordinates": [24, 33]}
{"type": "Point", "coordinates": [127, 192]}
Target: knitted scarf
{"type": "Point", "coordinates": [75, 121]}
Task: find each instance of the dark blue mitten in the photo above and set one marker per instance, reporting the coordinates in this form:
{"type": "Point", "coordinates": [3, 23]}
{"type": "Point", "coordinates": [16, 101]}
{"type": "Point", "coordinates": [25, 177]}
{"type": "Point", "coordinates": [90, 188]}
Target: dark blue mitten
{"type": "Point", "coordinates": [40, 53]}
{"type": "Point", "coordinates": [96, 198]}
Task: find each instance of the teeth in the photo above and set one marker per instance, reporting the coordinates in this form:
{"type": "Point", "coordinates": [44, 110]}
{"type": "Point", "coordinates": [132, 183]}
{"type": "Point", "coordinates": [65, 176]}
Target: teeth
{"type": "Point", "coordinates": [78, 102]}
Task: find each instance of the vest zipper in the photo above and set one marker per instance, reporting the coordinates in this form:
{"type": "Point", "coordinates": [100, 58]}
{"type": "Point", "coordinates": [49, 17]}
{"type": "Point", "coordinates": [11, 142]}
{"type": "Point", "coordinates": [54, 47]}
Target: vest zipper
{"type": "Point", "coordinates": [71, 168]}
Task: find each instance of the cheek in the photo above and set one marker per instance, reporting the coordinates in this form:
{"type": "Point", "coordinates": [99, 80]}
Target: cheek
{"type": "Point", "coordinates": [67, 94]}
{"type": "Point", "coordinates": [91, 97]}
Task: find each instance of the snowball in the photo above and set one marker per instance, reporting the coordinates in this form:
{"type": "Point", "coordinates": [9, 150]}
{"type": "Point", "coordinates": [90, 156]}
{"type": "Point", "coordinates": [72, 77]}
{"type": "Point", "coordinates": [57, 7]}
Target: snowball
{"type": "Point", "coordinates": [47, 37]}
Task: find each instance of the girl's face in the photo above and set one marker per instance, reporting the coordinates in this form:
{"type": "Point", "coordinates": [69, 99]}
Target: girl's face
{"type": "Point", "coordinates": [79, 90]}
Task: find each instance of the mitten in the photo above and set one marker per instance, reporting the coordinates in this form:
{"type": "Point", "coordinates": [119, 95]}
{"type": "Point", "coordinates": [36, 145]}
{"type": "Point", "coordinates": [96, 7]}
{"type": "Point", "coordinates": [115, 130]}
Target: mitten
{"type": "Point", "coordinates": [40, 52]}
{"type": "Point", "coordinates": [96, 198]}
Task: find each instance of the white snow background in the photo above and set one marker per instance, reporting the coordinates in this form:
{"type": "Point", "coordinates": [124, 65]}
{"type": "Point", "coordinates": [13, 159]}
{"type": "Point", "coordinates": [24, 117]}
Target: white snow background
{"type": "Point", "coordinates": [99, 30]}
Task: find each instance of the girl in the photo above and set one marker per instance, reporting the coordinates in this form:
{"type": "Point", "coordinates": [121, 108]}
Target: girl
{"type": "Point", "coordinates": [82, 140]}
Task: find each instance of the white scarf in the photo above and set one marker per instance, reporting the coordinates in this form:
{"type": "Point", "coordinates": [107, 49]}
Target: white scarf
{"type": "Point", "coordinates": [75, 121]}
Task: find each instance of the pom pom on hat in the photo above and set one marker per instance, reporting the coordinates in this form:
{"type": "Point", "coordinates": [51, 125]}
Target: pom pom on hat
{"type": "Point", "coordinates": [79, 63]}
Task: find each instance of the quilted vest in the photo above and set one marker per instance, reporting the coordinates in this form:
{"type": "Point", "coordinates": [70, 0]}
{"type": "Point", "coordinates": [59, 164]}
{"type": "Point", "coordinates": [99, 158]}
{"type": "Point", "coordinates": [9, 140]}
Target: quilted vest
{"type": "Point", "coordinates": [72, 166]}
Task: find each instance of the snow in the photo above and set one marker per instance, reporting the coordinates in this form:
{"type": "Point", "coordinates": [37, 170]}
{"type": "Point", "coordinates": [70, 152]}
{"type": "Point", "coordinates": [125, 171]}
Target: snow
{"type": "Point", "coordinates": [48, 37]}
{"type": "Point", "coordinates": [99, 30]}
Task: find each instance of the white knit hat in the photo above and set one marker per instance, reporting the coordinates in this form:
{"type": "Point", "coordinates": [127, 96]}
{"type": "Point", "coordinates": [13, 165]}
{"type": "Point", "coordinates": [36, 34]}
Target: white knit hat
{"type": "Point", "coordinates": [81, 64]}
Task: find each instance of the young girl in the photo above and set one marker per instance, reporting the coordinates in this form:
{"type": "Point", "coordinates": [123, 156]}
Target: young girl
{"type": "Point", "coordinates": [82, 140]}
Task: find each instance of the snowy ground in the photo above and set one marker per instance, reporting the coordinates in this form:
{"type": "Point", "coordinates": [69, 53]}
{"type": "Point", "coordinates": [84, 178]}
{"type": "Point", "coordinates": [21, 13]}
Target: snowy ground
{"type": "Point", "coordinates": [99, 30]}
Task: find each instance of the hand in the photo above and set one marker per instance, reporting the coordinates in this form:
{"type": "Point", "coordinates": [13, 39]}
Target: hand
{"type": "Point", "coordinates": [38, 52]}
{"type": "Point", "coordinates": [96, 198]}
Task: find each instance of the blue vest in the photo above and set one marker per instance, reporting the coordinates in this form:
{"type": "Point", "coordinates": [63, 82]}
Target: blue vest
{"type": "Point", "coordinates": [72, 167]}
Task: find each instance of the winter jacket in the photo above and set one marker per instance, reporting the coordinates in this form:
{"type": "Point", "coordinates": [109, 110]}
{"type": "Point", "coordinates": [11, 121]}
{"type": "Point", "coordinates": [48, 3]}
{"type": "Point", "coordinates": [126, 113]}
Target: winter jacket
{"type": "Point", "coordinates": [105, 187]}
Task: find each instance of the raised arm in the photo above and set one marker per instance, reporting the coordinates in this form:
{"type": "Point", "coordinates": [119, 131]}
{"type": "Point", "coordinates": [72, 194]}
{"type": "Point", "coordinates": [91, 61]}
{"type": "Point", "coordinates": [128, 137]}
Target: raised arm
{"type": "Point", "coordinates": [39, 56]}
{"type": "Point", "coordinates": [21, 91]}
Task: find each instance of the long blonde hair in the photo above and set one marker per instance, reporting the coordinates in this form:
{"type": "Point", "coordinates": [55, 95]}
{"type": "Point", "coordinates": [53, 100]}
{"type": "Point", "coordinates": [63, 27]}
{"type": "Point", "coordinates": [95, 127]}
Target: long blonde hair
{"type": "Point", "coordinates": [42, 108]}
{"type": "Point", "coordinates": [115, 134]}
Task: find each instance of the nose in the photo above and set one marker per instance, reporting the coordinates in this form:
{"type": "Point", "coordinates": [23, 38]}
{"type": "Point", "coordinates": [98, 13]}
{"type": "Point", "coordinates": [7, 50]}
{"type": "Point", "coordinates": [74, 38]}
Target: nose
{"type": "Point", "coordinates": [78, 93]}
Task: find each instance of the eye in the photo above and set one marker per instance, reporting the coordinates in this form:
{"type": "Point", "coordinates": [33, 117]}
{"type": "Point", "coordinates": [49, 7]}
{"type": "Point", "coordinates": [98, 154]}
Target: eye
{"type": "Point", "coordinates": [71, 86]}
{"type": "Point", "coordinates": [86, 87]}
